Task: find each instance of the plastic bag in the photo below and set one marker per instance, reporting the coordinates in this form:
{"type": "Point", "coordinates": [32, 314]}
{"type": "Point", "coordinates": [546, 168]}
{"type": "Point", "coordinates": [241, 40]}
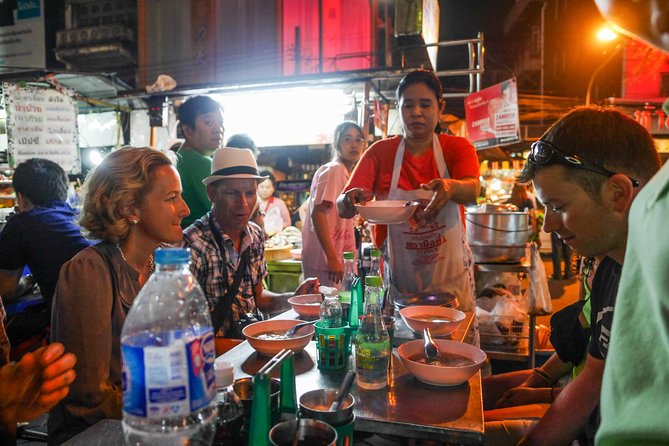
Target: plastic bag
{"type": "Point", "coordinates": [539, 295]}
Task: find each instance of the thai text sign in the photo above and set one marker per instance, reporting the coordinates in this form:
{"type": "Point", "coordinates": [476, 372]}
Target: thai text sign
{"type": "Point", "coordinates": [42, 123]}
{"type": "Point", "coordinates": [492, 116]}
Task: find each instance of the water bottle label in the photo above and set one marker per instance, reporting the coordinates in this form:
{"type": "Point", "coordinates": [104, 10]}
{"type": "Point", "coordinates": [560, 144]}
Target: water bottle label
{"type": "Point", "coordinates": [169, 381]}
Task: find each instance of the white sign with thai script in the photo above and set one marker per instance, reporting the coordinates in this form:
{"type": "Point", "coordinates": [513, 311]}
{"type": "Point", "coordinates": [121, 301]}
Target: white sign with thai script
{"type": "Point", "coordinates": [42, 123]}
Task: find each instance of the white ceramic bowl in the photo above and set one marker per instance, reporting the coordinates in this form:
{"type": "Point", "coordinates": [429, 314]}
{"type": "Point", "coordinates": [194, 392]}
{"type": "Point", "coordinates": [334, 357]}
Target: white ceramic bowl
{"type": "Point", "coordinates": [386, 212]}
{"type": "Point", "coordinates": [413, 318]}
{"type": "Point", "coordinates": [306, 305]}
{"type": "Point", "coordinates": [439, 375]}
{"type": "Point", "coordinates": [270, 347]}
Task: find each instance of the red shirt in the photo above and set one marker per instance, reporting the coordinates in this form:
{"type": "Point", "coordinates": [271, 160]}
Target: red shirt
{"type": "Point", "coordinates": [375, 168]}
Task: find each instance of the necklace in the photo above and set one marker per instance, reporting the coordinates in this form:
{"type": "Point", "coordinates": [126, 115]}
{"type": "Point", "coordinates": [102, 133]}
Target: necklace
{"type": "Point", "coordinates": [151, 262]}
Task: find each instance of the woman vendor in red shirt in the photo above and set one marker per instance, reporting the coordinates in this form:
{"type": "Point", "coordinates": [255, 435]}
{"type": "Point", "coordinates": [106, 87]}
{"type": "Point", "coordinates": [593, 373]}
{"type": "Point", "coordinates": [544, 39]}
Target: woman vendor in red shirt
{"type": "Point", "coordinates": [429, 253]}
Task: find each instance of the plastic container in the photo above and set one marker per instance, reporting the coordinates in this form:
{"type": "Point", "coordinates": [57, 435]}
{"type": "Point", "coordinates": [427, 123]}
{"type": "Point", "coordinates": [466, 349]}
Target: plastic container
{"type": "Point", "coordinates": [230, 412]}
{"type": "Point", "coordinates": [374, 263]}
{"type": "Point", "coordinates": [347, 280]}
{"type": "Point", "coordinates": [168, 352]}
{"type": "Point", "coordinates": [333, 346]}
{"type": "Point", "coordinates": [331, 312]}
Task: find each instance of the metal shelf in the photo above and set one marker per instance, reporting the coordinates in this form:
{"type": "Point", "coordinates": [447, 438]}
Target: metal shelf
{"type": "Point", "coordinates": [526, 354]}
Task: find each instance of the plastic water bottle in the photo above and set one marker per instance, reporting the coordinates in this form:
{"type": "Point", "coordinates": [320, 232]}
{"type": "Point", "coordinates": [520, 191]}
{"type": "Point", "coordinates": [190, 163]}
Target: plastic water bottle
{"type": "Point", "coordinates": [331, 311]}
{"type": "Point", "coordinates": [168, 351]}
{"type": "Point", "coordinates": [374, 263]}
{"type": "Point", "coordinates": [347, 280]}
{"type": "Point", "coordinates": [372, 343]}
{"type": "Point", "coordinates": [230, 416]}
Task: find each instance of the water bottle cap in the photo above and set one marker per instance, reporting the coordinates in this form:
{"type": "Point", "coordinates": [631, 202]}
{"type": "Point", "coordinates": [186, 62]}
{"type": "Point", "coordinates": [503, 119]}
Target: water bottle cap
{"type": "Point", "coordinates": [225, 373]}
{"type": "Point", "coordinates": [348, 256]}
{"type": "Point", "coordinates": [171, 256]}
{"type": "Point", "coordinates": [375, 253]}
{"type": "Point", "coordinates": [373, 281]}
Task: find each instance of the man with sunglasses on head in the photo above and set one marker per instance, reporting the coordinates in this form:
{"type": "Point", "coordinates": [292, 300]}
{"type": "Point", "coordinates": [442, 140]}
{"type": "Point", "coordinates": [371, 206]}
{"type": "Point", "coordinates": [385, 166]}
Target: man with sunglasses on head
{"type": "Point", "coordinates": [587, 169]}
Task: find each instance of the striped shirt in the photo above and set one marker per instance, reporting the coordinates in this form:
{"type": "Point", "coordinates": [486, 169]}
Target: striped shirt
{"type": "Point", "coordinates": [216, 272]}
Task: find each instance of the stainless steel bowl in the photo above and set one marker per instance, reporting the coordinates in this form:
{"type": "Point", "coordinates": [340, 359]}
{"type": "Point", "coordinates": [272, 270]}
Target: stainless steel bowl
{"type": "Point", "coordinates": [443, 299]}
{"type": "Point", "coordinates": [316, 404]}
{"type": "Point", "coordinates": [244, 389]}
{"type": "Point", "coordinates": [311, 433]}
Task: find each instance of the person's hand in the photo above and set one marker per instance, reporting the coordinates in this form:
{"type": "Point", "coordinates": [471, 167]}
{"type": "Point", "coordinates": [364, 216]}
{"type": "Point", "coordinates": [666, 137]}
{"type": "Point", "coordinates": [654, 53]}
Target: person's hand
{"type": "Point", "coordinates": [35, 384]}
{"type": "Point", "coordinates": [335, 269]}
{"type": "Point", "coordinates": [358, 195]}
{"type": "Point", "coordinates": [309, 286]}
{"type": "Point", "coordinates": [442, 194]}
{"type": "Point", "coordinates": [520, 396]}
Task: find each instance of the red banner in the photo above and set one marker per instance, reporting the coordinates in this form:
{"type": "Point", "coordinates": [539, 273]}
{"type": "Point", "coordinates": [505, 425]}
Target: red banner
{"type": "Point", "coordinates": [492, 116]}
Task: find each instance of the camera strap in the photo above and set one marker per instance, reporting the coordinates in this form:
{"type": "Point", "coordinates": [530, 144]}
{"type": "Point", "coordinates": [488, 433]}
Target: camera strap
{"type": "Point", "coordinates": [223, 308]}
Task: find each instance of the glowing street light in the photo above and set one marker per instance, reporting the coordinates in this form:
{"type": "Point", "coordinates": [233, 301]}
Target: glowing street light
{"type": "Point", "coordinates": [606, 34]}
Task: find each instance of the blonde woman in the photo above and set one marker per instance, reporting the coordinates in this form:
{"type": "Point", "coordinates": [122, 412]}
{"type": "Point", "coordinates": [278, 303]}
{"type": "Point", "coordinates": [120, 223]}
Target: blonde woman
{"type": "Point", "coordinates": [132, 205]}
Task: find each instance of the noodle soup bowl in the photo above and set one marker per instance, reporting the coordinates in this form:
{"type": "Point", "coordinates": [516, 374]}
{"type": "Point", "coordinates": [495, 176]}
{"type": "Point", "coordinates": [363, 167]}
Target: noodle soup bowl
{"type": "Point", "coordinates": [458, 362]}
{"type": "Point", "coordinates": [259, 335]}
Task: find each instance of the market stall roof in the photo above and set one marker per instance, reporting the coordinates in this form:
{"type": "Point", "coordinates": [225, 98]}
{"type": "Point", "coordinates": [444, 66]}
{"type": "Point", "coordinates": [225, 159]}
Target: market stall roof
{"type": "Point", "coordinates": [98, 91]}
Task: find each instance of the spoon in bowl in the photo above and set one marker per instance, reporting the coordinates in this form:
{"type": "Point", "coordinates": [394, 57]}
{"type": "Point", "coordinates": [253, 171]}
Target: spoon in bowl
{"type": "Point", "coordinates": [293, 330]}
{"type": "Point", "coordinates": [431, 350]}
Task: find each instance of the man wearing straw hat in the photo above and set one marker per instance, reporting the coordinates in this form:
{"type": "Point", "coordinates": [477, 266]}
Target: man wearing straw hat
{"type": "Point", "coordinates": [227, 250]}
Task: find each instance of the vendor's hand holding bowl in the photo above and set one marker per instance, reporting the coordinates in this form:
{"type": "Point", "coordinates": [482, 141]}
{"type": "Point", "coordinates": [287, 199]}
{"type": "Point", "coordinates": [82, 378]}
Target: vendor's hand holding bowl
{"type": "Point", "coordinates": [442, 194]}
{"type": "Point", "coordinates": [357, 196]}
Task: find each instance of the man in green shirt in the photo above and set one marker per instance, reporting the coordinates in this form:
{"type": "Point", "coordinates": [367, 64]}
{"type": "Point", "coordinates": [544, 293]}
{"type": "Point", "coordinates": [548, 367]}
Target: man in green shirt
{"type": "Point", "coordinates": [201, 121]}
{"type": "Point", "coordinates": [634, 389]}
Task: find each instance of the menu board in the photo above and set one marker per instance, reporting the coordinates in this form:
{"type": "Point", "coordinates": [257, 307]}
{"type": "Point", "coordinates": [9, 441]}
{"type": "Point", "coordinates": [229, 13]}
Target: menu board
{"type": "Point", "coordinates": [42, 123]}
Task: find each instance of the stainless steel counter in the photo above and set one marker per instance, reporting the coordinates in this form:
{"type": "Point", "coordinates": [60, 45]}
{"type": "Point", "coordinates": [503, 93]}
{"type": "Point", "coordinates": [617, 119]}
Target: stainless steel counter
{"type": "Point", "coordinates": [406, 408]}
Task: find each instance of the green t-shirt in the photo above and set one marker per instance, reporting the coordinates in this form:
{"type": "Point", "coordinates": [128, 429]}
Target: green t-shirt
{"type": "Point", "coordinates": [194, 167]}
{"type": "Point", "coordinates": [634, 407]}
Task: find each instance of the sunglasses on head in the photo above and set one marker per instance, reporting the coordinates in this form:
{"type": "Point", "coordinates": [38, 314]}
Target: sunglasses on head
{"type": "Point", "coordinates": [544, 152]}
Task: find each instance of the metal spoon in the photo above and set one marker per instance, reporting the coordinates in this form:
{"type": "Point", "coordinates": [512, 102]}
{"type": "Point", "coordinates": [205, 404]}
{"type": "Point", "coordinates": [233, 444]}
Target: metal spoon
{"type": "Point", "coordinates": [293, 330]}
{"type": "Point", "coordinates": [431, 350]}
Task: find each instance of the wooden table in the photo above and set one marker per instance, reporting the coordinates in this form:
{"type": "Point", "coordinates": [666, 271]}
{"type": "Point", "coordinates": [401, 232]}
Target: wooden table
{"type": "Point", "coordinates": [406, 408]}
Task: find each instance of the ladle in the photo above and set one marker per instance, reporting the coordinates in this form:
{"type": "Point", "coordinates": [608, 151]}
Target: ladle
{"type": "Point", "coordinates": [431, 350]}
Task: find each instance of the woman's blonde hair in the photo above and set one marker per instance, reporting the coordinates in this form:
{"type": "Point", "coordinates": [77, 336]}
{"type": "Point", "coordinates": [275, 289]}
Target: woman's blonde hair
{"type": "Point", "coordinates": [122, 179]}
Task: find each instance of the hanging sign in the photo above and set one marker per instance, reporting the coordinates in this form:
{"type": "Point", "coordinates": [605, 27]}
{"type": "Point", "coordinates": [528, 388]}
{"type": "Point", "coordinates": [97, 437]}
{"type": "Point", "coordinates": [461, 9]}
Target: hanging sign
{"type": "Point", "coordinates": [42, 123]}
{"type": "Point", "coordinates": [22, 44]}
{"type": "Point", "coordinates": [492, 116]}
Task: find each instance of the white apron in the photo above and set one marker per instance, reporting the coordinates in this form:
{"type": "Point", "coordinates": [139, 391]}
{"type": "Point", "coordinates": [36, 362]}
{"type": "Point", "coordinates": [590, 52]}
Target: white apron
{"type": "Point", "coordinates": [433, 257]}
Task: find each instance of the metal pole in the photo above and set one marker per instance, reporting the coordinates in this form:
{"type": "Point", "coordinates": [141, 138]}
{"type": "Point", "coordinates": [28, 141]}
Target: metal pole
{"type": "Point", "coordinates": [613, 54]}
{"type": "Point", "coordinates": [320, 36]}
{"type": "Point", "coordinates": [543, 59]}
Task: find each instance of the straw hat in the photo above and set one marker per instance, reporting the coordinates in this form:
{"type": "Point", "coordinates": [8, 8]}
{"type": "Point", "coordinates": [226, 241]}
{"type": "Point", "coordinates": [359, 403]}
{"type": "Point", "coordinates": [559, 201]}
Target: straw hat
{"type": "Point", "coordinates": [229, 162]}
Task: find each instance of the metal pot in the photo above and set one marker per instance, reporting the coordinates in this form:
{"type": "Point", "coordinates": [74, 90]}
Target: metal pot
{"type": "Point", "coordinates": [498, 237]}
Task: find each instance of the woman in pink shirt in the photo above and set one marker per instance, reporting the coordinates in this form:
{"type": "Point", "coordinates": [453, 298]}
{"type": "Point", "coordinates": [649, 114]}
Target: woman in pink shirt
{"type": "Point", "coordinates": [326, 236]}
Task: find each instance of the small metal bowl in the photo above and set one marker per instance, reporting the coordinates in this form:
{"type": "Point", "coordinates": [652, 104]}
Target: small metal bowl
{"type": "Point", "coordinates": [244, 389]}
{"type": "Point", "coordinates": [444, 299]}
{"type": "Point", "coordinates": [316, 404]}
{"type": "Point", "coordinates": [311, 433]}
